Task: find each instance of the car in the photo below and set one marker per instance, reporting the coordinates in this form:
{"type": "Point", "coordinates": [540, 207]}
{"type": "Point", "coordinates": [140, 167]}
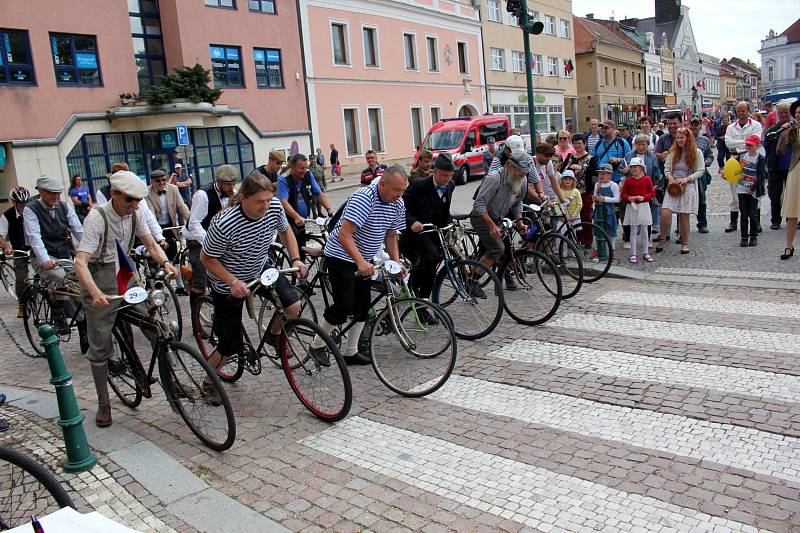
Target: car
{"type": "Point", "coordinates": [466, 139]}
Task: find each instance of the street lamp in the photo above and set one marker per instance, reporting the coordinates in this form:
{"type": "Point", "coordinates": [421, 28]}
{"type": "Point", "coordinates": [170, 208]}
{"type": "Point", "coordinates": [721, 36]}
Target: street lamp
{"type": "Point", "coordinates": [519, 8]}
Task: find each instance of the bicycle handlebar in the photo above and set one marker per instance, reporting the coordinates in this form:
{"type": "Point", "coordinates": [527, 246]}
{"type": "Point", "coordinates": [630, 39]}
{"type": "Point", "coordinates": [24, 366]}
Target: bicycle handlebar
{"type": "Point", "coordinates": [18, 253]}
{"type": "Point", "coordinates": [256, 281]}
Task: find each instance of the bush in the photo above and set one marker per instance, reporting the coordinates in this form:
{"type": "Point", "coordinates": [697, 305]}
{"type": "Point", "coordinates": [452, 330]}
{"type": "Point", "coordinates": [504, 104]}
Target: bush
{"type": "Point", "coordinates": [187, 82]}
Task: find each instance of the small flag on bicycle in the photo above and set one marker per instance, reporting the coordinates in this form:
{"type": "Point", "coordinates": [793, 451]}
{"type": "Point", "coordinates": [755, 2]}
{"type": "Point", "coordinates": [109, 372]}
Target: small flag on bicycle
{"type": "Point", "coordinates": [125, 270]}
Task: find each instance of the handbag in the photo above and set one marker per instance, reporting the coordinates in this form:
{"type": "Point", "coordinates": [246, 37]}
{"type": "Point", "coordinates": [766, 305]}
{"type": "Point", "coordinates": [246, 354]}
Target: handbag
{"type": "Point", "coordinates": [676, 189]}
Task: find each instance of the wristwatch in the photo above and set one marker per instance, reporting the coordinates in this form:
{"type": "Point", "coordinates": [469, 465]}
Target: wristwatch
{"type": "Point", "coordinates": [295, 259]}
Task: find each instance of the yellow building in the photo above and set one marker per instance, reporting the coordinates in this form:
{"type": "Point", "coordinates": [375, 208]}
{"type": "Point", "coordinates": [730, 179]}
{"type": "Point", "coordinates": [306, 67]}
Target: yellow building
{"type": "Point", "coordinates": [668, 73]}
{"type": "Point", "coordinates": [610, 74]}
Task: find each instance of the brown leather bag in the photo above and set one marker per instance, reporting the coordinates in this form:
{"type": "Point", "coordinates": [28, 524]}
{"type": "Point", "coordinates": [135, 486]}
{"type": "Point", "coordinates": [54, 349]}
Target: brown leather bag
{"type": "Point", "coordinates": [676, 189]}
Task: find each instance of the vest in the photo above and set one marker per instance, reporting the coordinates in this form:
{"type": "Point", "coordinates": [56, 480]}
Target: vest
{"type": "Point", "coordinates": [214, 205]}
{"type": "Point", "coordinates": [305, 190]}
{"type": "Point", "coordinates": [54, 231]}
{"type": "Point", "coordinates": [16, 231]}
{"type": "Point", "coordinates": [106, 190]}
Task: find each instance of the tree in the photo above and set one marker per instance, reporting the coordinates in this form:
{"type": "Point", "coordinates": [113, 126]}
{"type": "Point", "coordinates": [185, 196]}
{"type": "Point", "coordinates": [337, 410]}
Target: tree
{"type": "Point", "coordinates": [186, 82]}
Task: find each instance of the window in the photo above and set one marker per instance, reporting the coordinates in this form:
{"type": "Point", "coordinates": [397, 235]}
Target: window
{"type": "Point", "coordinates": [416, 126]}
{"type": "Point", "coordinates": [536, 66]}
{"type": "Point", "coordinates": [148, 46]}
{"type": "Point", "coordinates": [770, 73]}
{"type": "Point", "coordinates": [352, 136]}
{"type": "Point", "coordinates": [605, 69]}
{"type": "Point", "coordinates": [226, 63]}
{"type": "Point", "coordinates": [374, 114]}
{"type": "Point", "coordinates": [639, 79]}
{"type": "Point", "coordinates": [215, 146]}
{"type": "Point", "coordinates": [566, 31]}
{"type": "Point", "coordinates": [667, 86]}
{"type": "Point", "coordinates": [797, 68]}
{"type": "Point", "coordinates": [498, 130]}
{"type": "Point", "coordinates": [625, 77]}
{"type": "Point", "coordinates": [615, 77]}
{"type": "Point", "coordinates": [493, 7]}
{"type": "Point", "coordinates": [517, 61]}
{"type": "Point", "coordinates": [436, 114]}
{"type": "Point", "coordinates": [221, 3]}
{"type": "Point", "coordinates": [269, 71]}
{"type": "Point", "coordinates": [552, 66]}
{"type": "Point", "coordinates": [549, 25]}
{"type": "Point", "coordinates": [370, 47]}
{"type": "Point", "coordinates": [512, 20]}
{"type": "Point", "coordinates": [535, 16]}
{"type": "Point", "coordinates": [463, 59]}
{"type": "Point", "coordinates": [16, 65]}
{"type": "Point", "coordinates": [433, 54]}
{"type": "Point", "coordinates": [410, 50]}
{"type": "Point", "coordinates": [75, 59]}
{"type": "Point", "coordinates": [339, 42]}
{"type": "Point", "coordinates": [567, 68]}
{"type": "Point", "coordinates": [498, 58]}
{"type": "Point", "coordinates": [262, 6]}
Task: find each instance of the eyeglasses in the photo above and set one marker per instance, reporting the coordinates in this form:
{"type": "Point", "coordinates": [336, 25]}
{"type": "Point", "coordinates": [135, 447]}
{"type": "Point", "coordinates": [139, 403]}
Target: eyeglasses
{"type": "Point", "coordinates": [563, 138]}
{"type": "Point", "coordinates": [158, 180]}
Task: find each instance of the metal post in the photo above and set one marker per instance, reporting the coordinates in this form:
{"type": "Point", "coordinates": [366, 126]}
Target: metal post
{"type": "Point", "coordinates": [79, 456]}
{"type": "Point", "coordinates": [526, 41]}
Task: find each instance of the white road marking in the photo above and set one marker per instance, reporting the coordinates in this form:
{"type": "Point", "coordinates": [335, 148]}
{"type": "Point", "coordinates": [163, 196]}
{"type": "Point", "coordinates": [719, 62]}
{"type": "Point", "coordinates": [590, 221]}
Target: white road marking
{"type": "Point", "coordinates": [510, 489]}
{"type": "Point", "coordinates": [676, 331]}
{"type": "Point", "coordinates": [699, 303]}
{"type": "Point", "coordinates": [708, 273]}
{"type": "Point", "coordinates": [781, 387]}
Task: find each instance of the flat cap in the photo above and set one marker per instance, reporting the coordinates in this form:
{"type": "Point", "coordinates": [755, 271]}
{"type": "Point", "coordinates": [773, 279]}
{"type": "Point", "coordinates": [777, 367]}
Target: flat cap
{"type": "Point", "coordinates": [444, 161]}
{"type": "Point", "coordinates": [49, 183]}
{"type": "Point", "coordinates": [520, 159]}
{"type": "Point", "coordinates": [609, 124]}
{"type": "Point", "coordinates": [128, 183]}
{"type": "Point", "coordinates": [605, 167]}
{"type": "Point", "coordinates": [158, 173]}
{"type": "Point", "coordinates": [515, 142]}
{"type": "Point", "coordinates": [226, 173]}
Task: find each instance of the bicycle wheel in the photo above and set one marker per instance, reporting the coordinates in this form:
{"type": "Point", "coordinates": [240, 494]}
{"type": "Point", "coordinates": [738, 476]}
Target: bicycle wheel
{"type": "Point", "coordinates": [36, 312]}
{"type": "Point", "coordinates": [594, 268]}
{"type": "Point", "coordinates": [563, 253]}
{"type": "Point", "coordinates": [8, 278]}
{"type": "Point", "coordinates": [202, 326]}
{"type": "Point", "coordinates": [267, 310]}
{"type": "Point", "coordinates": [415, 352]}
{"type": "Point", "coordinates": [27, 489]}
{"type": "Point", "coordinates": [539, 290]}
{"type": "Point", "coordinates": [122, 370]}
{"type": "Point", "coordinates": [190, 385]}
{"type": "Point", "coordinates": [171, 310]}
{"type": "Point", "coordinates": [324, 390]}
{"type": "Point", "coordinates": [456, 290]}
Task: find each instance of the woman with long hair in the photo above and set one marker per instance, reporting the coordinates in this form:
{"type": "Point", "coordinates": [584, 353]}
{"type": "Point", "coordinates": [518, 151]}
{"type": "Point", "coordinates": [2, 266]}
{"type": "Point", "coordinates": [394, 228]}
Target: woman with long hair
{"type": "Point", "coordinates": [684, 166]}
{"type": "Point", "coordinates": [790, 209]}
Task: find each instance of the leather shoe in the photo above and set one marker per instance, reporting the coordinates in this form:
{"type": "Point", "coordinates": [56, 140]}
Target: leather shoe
{"type": "Point", "coordinates": [2, 399]}
{"type": "Point", "coordinates": [702, 229]}
{"type": "Point", "coordinates": [775, 226]}
{"type": "Point", "coordinates": [358, 358]}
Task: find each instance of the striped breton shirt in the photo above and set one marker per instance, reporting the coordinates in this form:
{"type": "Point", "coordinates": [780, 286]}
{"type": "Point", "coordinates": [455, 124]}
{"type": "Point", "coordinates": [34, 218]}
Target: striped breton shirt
{"type": "Point", "coordinates": [373, 217]}
{"type": "Point", "coordinates": [240, 243]}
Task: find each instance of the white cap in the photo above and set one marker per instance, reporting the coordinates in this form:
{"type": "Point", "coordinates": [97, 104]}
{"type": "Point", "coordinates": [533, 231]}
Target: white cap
{"type": "Point", "coordinates": [568, 174]}
{"type": "Point", "coordinates": [637, 162]}
{"type": "Point", "coordinates": [178, 165]}
{"type": "Point", "coordinates": [515, 142]}
{"type": "Point", "coordinates": [128, 183]}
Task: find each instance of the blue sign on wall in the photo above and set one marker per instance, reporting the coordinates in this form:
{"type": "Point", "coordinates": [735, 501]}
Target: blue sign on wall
{"type": "Point", "coordinates": [217, 52]}
{"type": "Point", "coordinates": [168, 139]}
{"type": "Point", "coordinates": [86, 60]}
{"type": "Point", "coordinates": [183, 134]}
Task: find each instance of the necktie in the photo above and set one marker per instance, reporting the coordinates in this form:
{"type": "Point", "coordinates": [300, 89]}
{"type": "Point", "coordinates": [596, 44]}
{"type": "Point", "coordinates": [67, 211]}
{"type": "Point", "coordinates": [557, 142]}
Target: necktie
{"type": "Point", "coordinates": [162, 192]}
{"type": "Point", "coordinates": [441, 189]}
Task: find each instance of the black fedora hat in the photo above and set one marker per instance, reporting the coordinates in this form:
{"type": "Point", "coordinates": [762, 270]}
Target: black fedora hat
{"type": "Point", "coordinates": [444, 161]}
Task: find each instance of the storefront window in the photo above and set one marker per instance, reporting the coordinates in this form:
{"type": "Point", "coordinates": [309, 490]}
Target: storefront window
{"type": "Point", "coordinates": [549, 119]}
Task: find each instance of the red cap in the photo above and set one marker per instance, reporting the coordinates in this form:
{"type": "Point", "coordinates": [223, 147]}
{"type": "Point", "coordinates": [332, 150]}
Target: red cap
{"type": "Point", "coordinates": [755, 140]}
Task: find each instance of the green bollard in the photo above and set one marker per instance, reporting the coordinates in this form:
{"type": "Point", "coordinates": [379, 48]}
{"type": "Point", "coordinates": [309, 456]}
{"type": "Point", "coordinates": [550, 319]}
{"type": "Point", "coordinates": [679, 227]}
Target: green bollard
{"type": "Point", "coordinates": [79, 456]}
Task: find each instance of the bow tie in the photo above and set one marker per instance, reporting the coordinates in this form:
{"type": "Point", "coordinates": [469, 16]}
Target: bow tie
{"type": "Point", "coordinates": [442, 189]}
{"type": "Point", "coordinates": [162, 192]}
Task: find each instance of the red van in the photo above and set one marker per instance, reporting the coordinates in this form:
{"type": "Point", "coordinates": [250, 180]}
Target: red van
{"type": "Point", "coordinates": [466, 139]}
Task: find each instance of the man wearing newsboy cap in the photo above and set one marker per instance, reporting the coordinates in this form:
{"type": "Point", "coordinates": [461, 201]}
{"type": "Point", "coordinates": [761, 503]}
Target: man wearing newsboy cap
{"type": "Point", "coordinates": [109, 227]}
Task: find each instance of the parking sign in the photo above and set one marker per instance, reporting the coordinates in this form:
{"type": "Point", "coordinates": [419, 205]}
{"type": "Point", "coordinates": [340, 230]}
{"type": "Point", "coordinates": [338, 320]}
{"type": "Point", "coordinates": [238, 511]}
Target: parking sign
{"type": "Point", "coordinates": [183, 134]}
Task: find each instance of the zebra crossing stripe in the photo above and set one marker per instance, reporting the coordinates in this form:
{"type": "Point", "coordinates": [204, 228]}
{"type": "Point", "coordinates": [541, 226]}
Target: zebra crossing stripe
{"type": "Point", "coordinates": [675, 331]}
{"type": "Point", "coordinates": [503, 487]}
{"type": "Point", "coordinates": [745, 448]}
{"type": "Point", "coordinates": [697, 303]}
{"type": "Point", "coordinates": [706, 273]}
{"type": "Point", "coordinates": [781, 387]}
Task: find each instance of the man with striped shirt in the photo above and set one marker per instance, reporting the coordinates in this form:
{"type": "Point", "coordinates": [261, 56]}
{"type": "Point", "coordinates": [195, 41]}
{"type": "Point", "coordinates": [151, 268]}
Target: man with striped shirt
{"type": "Point", "coordinates": [372, 217]}
{"type": "Point", "coordinates": [235, 253]}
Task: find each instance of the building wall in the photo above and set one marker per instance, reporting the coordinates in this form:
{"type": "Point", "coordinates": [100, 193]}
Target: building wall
{"type": "Point", "coordinates": [595, 95]}
{"type": "Point", "coordinates": [389, 87]}
{"type": "Point", "coordinates": [784, 58]}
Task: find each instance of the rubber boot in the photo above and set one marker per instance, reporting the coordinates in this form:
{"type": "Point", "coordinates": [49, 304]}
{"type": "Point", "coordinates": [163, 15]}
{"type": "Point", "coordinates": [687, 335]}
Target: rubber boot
{"type": "Point", "coordinates": [759, 229]}
{"type": "Point", "coordinates": [734, 225]}
{"type": "Point", "coordinates": [100, 375]}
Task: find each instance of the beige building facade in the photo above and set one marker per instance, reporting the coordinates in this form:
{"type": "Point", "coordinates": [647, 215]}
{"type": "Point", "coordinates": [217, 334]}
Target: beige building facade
{"type": "Point", "coordinates": [553, 63]}
{"type": "Point", "coordinates": [668, 73]}
{"type": "Point", "coordinates": [610, 74]}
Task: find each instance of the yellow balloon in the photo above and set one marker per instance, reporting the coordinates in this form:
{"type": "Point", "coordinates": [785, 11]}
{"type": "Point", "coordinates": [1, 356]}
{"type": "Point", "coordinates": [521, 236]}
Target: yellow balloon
{"type": "Point", "coordinates": [732, 171]}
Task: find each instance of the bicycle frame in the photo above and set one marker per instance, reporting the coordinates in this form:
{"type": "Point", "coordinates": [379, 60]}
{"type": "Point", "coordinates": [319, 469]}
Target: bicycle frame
{"type": "Point", "coordinates": [450, 254]}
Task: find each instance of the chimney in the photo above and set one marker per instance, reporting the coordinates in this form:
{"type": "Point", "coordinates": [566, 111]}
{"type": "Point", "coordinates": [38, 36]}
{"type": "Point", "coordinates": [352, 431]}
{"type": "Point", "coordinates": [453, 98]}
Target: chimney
{"type": "Point", "coordinates": [667, 11]}
{"type": "Point", "coordinates": [590, 16]}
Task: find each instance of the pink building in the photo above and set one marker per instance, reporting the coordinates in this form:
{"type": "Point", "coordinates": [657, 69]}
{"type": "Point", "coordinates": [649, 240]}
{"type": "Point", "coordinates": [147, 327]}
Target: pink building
{"type": "Point", "coordinates": [380, 72]}
{"type": "Point", "coordinates": [65, 66]}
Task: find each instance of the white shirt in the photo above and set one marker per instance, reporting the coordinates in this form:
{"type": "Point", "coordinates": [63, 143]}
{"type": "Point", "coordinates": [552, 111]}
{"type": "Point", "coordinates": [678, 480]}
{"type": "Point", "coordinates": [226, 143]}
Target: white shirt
{"type": "Point", "coordinates": [33, 233]}
{"type": "Point", "coordinates": [194, 228]}
{"type": "Point", "coordinates": [736, 134]}
{"type": "Point", "coordinates": [119, 228]}
{"type": "Point", "coordinates": [162, 199]}
{"type": "Point", "coordinates": [144, 213]}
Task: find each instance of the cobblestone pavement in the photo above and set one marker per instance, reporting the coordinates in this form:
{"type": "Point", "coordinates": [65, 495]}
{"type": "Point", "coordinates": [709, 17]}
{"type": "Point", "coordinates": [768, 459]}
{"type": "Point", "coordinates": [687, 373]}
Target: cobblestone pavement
{"type": "Point", "coordinates": [642, 406]}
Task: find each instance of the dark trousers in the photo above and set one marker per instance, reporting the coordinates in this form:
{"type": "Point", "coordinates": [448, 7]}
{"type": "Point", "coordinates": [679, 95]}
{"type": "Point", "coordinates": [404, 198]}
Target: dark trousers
{"type": "Point", "coordinates": [425, 254]}
{"type": "Point", "coordinates": [702, 220]}
{"type": "Point", "coordinates": [585, 234]}
{"type": "Point", "coordinates": [775, 185]}
{"type": "Point", "coordinates": [748, 215]}
{"type": "Point", "coordinates": [172, 246]}
{"type": "Point", "coordinates": [351, 294]}
{"type": "Point", "coordinates": [723, 154]}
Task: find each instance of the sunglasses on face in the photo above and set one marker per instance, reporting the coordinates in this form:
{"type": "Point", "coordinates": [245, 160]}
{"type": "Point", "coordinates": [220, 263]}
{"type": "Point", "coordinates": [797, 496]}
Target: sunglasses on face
{"type": "Point", "coordinates": [563, 138]}
{"type": "Point", "coordinates": [159, 180]}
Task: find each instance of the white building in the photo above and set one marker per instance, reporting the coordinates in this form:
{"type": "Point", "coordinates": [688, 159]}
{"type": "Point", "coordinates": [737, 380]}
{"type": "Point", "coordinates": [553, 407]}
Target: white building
{"type": "Point", "coordinates": [709, 84]}
{"type": "Point", "coordinates": [780, 63]}
{"type": "Point", "coordinates": [654, 86]}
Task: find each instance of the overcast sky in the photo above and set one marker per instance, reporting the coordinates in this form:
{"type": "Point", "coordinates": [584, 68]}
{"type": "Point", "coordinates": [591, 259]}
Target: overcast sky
{"type": "Point", "coordinates": [712, 21]}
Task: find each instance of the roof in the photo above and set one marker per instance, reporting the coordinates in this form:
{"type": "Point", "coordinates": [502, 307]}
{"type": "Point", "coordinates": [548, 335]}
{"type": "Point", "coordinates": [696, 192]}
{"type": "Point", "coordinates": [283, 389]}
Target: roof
{"type": "Point", "coordinates": [792, 33]}
{"type": "Point", "coordinates": [741, 64]}
{"type": "Point", "coordinates": [649, 25]}
{"type": "Point", "coordinates": [594, 31]}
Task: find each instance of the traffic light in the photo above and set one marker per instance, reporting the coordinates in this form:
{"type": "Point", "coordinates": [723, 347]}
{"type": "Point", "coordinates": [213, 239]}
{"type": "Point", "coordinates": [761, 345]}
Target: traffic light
{"type": "Point", "coordinates": [533, 27]}
{"type": "Point", "coordinates": [516, 8]}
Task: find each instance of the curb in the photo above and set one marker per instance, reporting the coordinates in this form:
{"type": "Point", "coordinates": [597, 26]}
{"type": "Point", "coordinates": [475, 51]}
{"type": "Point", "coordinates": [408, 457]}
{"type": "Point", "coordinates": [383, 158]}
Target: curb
{"type": "Point", "coordinates": [618, 272]}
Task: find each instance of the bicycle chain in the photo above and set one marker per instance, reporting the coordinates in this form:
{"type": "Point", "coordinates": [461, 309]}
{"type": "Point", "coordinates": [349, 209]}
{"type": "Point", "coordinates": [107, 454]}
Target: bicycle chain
{"type": "Point", "coordinates": [22, 350]}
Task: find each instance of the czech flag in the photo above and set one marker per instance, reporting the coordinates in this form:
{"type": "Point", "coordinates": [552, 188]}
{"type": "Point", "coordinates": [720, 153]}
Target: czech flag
{"type": "Point", "coordinates": [125, 271]}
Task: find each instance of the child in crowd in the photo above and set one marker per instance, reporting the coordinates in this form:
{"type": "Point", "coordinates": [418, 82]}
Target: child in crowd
{"type": "Point", "coordinates": [637, 191]}
{"type": "Point", "coordinates": [750, 188]}
{"type": "Point", "coordinates": [606, 195]}
{"type": "Point", "coordinates": [571, 195]}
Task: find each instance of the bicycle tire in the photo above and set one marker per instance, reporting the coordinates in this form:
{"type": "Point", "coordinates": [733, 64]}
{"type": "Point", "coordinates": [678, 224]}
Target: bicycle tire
{"type": "Point", "coordinates": [530, 305]}
{"type": "Point", "coordinates": [560, 254]}
{"type": "Point", "coordinates": [122, 371]}
{"type": "Point", "coordinates": [188, 402]}
{"type": "Point", "coordinates": [593, 271]}
{"type": "Point", "coordinates": [325, 391]}
{"type": "Point", "coordinates": [206, 340]}
{"type": "Point", "coordinates": [12, 518]}
{"type": "Point", "coordinates": [267, 309]}
{"type": "Point", "coordinates": [36, 312]}
{"type": "Point", "coordinates": [454, 294]}
{"type": "Point", "coordinates": [9, 278]}
{"type": "Point", "coordinates": [430, 365]}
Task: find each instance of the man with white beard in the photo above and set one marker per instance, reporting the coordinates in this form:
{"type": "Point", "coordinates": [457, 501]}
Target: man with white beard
{"type": "Point", "coordinates": [501, 192]}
